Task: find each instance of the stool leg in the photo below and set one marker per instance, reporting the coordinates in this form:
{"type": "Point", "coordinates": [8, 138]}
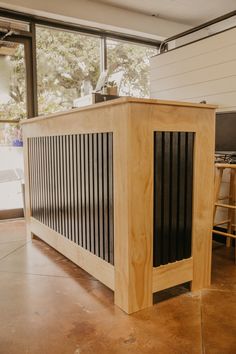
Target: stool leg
{"type": "Point", "coordinates": [218, 179]}
{"type": "Point", "coordinates": [233, 201]}
{"type": "Point", "coordinates": [230, 211]}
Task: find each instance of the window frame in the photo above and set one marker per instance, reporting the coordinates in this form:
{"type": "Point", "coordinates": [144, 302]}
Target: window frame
{"type": "Point", "coordinates": [29, 40]}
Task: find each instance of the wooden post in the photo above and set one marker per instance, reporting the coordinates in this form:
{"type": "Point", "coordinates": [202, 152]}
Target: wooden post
{"type": "Point", "coordinates": [133, 175]}
{"type": "Point", "coordinates": [27, 210]}
{"type": "Point", "coordinates": [203, 202]}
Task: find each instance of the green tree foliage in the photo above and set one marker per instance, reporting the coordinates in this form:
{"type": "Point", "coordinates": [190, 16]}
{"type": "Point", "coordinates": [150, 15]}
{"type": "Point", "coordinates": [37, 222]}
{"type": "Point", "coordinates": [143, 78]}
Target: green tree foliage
{"type": "Point", "coordinates": [134, 61]}
{"type": "Point", "coordinates": [15, 107]}
{"type": "Point", "coordinates": [64, 60]}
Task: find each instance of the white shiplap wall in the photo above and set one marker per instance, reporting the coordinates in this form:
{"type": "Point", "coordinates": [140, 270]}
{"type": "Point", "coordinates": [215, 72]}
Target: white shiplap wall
{"type": "Point", "coordinates": [204, 70]}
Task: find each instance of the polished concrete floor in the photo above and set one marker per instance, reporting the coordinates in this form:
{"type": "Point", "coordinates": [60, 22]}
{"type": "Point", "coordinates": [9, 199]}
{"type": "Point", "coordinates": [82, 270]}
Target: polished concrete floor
{"type": "Point", "coordinates": [50, 306]}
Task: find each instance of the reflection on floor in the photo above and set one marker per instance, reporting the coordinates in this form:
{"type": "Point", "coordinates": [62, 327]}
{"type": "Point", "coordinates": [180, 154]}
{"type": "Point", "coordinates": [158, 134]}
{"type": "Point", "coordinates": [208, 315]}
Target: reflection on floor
{"type": "Point", "coordinates": [50, 306]}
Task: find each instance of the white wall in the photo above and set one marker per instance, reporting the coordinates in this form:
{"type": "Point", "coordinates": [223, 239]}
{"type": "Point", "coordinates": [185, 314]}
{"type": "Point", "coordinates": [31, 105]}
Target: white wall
{"type": "Point", "coordinates": [100, 15]}
{"type": "Point", "coordinates": [204, 70]}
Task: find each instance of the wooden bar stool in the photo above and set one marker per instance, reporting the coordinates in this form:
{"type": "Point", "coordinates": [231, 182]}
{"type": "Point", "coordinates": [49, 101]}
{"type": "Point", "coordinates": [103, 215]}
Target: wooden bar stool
{"type": "Point", "coordinates": [230, 206]}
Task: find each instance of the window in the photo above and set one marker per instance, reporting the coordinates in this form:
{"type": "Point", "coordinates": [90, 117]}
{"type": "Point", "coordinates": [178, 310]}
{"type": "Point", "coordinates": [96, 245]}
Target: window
{"type": "Point", "coordinates": [13, 81]}
{"type": "Point", "coordinates": [64, 61]}
{"type": "Point", "coordinates": [133, 61]}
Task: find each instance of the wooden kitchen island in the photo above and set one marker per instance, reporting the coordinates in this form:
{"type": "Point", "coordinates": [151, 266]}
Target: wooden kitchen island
{"type": "Point", "coordinates": [124, 189]}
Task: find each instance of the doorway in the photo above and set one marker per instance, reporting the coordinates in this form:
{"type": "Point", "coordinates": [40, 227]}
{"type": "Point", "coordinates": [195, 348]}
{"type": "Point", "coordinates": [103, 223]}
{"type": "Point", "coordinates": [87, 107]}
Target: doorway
{"type": "Point", "coordinates": [15, 104]}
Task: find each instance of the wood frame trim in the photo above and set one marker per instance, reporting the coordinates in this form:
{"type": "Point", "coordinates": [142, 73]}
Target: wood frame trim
{"type": "Point", "coordinates": [172, 274]}
{"type": "Point", "coordinates": [98, 268]}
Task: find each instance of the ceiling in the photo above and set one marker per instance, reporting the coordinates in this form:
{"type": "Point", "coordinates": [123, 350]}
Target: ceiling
{"type": "Point", "coordinates": [189, 12]}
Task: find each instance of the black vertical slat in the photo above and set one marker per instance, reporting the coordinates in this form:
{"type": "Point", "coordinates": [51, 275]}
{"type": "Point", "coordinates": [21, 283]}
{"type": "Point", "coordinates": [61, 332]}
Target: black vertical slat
{"type": "Point", "coordinates": [46, 182]}
{"type": "Point", "coordinates": [110, 198]}
{"type": "Point", "coordinates": [59, 179]}
{"type": "Point", "coordinates": [100, 195]}
{"type": "Point", "coordinates": [30, 157]}
{"type": "Point", "coordinates": [157, 245]}
{"type": "Point", "coordinates": [91, 193]}
{"type": "Point", "coordinates": [36, 177]}
{"type": "Point", "coordinates": [44, 195]}
{"type": "Point", "coordinates": [76, 182]}
{"type": "Point", "coordinates": [83, 197]}
{"type": "Point", "coordinates": [36, 191]}
{"type": "Point", "coordinates": [52, 186]}
{"type": "Point", "coordinates": [79, 179]}
{"type": "Point", "coordinates": [54, 190]}
{"type": "Point", "coordinates": [39, 189]}
{"type": "Point", "coordinates": [36, 166]}
{"type": "Point", "coordinates": [72, 203]}
{"type": "Point", "coordinates": [50, 181]}
{"type": "Point", "coordinates": [56, 200]}
{"type": "Point", "coordinates": [87, 201]}
{"type": "Point", "coordinates": [105, 195]}
{"type": "Point", "coordinates": [31, 160]}
{"type": "Point", "coordinates": [65, 192]}
{"type": "Point", "coordinates": [61, 186]}
{"type": "Point", "coordinates": [96, 195]}
{"type": "Point", "coordinates": [39, 181]}
{"type": "Point", "coordinates": [63, 182]}
{"type": "Point", "coordinates": [47, 186]}
{"type": "Point", "coordinates": [188, 195]}
{"type": "Point", "coordinates": [174, 196]}
{"type": "Point", "coordinates": [181, 199]}
{"type": "Point", "coordinates": [68, 187]}
{"type": "Point", "coordinates": [166, 199]}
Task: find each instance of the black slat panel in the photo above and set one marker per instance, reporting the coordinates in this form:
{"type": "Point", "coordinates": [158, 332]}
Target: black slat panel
{"type": "Point", "coordinates": [71, 183]}
{"type": "Point", "coordinates": [173, 184]}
